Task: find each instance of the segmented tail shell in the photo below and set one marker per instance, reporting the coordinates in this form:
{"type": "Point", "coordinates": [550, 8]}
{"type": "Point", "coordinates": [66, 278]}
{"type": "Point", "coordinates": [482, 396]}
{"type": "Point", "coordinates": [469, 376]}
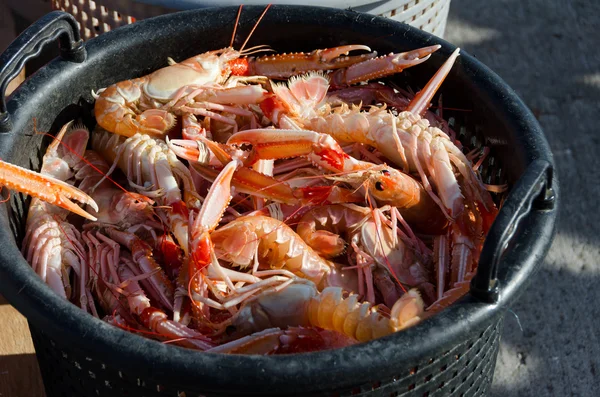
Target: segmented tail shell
{"type": "Point", "coordinates": [361, 321]}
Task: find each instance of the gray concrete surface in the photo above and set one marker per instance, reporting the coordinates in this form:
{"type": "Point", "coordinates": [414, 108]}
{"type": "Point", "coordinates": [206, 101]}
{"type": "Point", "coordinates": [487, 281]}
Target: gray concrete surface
{"type": "Point", "coordinates": [547, 50]}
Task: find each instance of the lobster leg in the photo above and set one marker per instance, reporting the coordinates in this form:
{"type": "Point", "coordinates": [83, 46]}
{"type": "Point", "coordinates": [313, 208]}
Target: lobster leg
{"type": "Point", "coordinates": [212, 97]}
{"type": "Point", "coordinates": [48, 185]}
{"type": "Point", "coordinates": [155, 319]}
{"type": "Point", "coordinates": [143, 257]}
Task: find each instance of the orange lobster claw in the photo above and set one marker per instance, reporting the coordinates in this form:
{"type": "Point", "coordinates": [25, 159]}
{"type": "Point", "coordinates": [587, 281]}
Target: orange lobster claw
{"type": "Point", "coordinates": [45, 188]}
{"type": "Point", "coordinates": [382, 66]}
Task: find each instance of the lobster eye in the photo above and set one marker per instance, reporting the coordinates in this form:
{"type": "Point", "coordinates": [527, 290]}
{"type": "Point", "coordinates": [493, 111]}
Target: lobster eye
{"type": "Point", "coordinates": [379, 186]}
{"type": "Point", "coordinates": [385, 172]}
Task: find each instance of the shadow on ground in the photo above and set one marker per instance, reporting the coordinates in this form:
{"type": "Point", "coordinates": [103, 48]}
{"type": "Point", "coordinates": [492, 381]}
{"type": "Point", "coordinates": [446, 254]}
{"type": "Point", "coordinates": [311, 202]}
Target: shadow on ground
{"type": "Point", "coordinates": [545, 50]}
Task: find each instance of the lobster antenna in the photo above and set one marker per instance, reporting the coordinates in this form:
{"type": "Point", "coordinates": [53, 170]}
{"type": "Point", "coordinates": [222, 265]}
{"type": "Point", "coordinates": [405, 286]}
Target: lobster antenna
{"type": "Point", "coordinates": [257, 49]}
{"type": "Point", "coordinates": [255, 26]}
{"type": "Point", "coordinates": [237, 22]}
{"type": "Point", "coordinates": [246, 53]}
{"type": "Point", "coordinates": [420, 102]}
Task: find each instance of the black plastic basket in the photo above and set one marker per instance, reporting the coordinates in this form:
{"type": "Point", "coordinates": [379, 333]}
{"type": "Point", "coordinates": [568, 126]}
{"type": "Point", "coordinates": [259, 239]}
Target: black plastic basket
{"type": "Point", "coordinates": [452, 353]}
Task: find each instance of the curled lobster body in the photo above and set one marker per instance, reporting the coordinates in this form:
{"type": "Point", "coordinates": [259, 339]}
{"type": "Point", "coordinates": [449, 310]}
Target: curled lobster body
{"type": "Point", "coordinates": [273, 242]}
{"type": "Point", "coordinates": [301, 304]}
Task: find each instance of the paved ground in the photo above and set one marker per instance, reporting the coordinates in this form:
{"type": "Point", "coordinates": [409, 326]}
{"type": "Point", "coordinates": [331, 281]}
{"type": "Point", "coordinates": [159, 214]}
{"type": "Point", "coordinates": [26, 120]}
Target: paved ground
{"type": "Point", "coordinates": [547, 50]}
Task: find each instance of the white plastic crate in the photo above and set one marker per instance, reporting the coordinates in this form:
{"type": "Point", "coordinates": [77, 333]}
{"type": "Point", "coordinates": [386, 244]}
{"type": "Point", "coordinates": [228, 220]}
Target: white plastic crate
{"type": "Point", "coordinates": [96, 17]}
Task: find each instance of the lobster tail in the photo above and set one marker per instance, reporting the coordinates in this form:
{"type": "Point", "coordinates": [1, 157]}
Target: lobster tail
{"type": "Point", "coordinates": [361, 321]}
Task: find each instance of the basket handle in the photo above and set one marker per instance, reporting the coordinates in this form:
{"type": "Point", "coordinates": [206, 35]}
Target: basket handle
{"type": "Point", "coordinates": [532, 192]}
{"type": "Point", "coordinates": [55, 25]}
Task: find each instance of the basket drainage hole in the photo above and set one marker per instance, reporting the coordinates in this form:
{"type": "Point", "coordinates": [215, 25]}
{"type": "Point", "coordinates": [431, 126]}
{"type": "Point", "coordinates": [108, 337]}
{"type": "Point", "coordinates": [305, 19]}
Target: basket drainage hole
{"type": "Point", "coordinates": [443, 368]}
{"type": "Point", "coordinates": [426, 394]}
{"type": "Point", "coordinates": [411, 386]}
{"type": "Point", "coordinates": [413, 370]}
{"type": "Point", "coordinates": [355, 391]}
{"type": "Point", "coordinates": [428, 378]}
{"type": "Point", "coordinates": [376, 385]}
{"type": "Point", "coordinates": [441, 385]}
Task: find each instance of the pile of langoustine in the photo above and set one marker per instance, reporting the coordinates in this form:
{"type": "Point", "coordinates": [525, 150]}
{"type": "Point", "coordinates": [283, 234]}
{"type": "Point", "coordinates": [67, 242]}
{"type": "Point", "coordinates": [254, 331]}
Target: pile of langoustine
{"type": "Point", "coordinates": [228, 212]}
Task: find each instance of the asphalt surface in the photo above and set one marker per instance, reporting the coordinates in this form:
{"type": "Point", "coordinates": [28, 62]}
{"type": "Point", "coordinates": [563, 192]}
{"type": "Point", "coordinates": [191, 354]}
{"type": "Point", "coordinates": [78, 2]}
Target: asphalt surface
{"type": "Point", "coordinates": [547, 50]}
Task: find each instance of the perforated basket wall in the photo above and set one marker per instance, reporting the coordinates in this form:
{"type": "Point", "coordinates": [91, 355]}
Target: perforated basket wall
{"type": "Point", "coordinates": [467, 369]}
{"type": "Point", "coordinates": [96, 17]}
